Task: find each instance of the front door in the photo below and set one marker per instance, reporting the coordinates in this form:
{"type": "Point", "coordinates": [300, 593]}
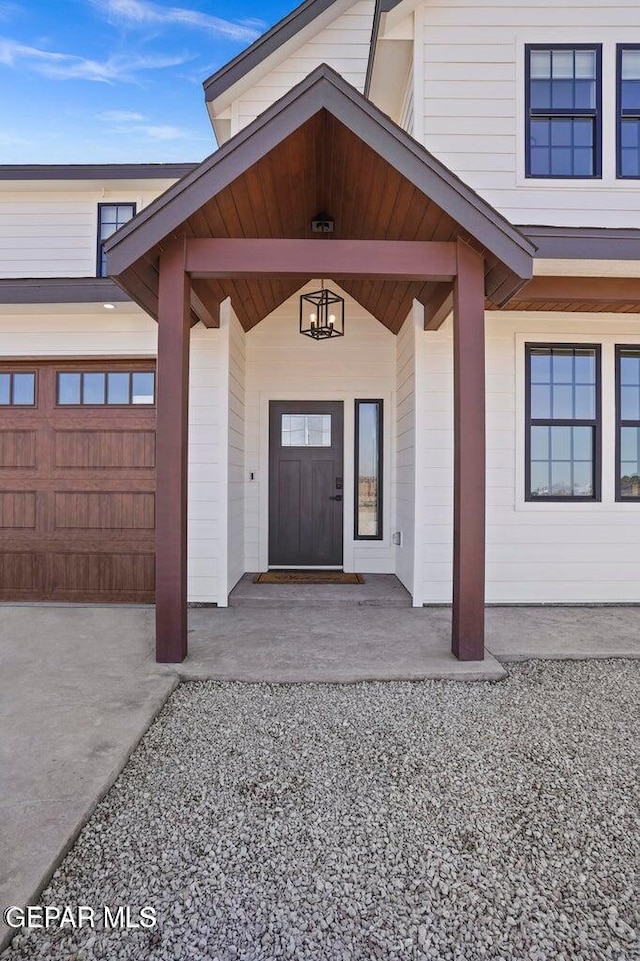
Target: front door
{"type": "Point", "coordinates": [305, 483]}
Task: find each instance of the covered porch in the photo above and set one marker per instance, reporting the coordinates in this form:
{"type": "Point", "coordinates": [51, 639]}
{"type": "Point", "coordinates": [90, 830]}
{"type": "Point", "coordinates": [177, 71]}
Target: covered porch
{"type": "Point", "coordinates": [237, 231]}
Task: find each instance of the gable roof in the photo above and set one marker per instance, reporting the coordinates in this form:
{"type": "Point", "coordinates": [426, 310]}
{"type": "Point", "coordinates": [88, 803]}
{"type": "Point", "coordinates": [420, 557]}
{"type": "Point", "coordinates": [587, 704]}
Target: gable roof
{"type": "Point", "coordinates": [262, 48]}
{"type": "Point", "coordinates": [322, 89]}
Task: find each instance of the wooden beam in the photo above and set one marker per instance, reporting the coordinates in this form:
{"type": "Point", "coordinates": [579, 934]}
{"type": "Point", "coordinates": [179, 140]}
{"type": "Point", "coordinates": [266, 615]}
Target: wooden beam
{"type": "Point", "coordinates": [205, 304]}
{"type": "Point", "coordinates": [383, 259]}
{"type": "Point", "coordinates": [171, 455]}
{"type": "Point", "coordinates": [598, 290]}
{"type": "Point", "coordinates": [467, 641]}
{"type": "Point", "coordinates": [438, 307]}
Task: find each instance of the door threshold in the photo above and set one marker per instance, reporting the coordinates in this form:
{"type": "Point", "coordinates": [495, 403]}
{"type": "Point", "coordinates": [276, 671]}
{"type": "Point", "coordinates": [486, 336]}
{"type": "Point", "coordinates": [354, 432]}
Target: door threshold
{"type": "Point", "coordinates": [304, 567]}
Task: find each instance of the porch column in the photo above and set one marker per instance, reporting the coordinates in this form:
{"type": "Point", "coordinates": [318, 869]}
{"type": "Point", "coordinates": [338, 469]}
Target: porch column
{"type": "Point", "coordinates": [171, 455]}
{"type": "Point", "coordinates": [467, 639]}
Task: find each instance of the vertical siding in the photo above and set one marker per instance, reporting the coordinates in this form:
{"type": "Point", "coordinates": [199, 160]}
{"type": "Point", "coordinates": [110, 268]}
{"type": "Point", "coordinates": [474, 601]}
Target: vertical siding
{"type": "Point", "coordinates": [473, 102]}
{"type": "Point", "coordinates": [405, 453]}
{"type": "Point", "coordinates": [536, 553]}
{"type": "Point", "coordinates": [283, 365]}
{"type": "Point", "coordinates": [343, 45]}
{"type": "Point", "coordinates": [54, 233]}
{"type": "Point", "coordinates": [236, 397]}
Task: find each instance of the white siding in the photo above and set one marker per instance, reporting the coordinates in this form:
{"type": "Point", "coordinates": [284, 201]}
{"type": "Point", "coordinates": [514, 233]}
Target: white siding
{"type": "Point", "coordinates": [54, 232]}
{"type": "Point", "coordinates": [405, 453]}
{"type": "Point", "coordinates": [536, 552]}
{"type": "Point", "coordinates": [236, 399]}
{"type": "Point", "coordinates": [343, 45]}
{"type": "Point", "coordinates": [283, 365]}
{"type": "Point", "coordinates": [473, 96]}
{"type": "Point", "coordinates": [82, 331]}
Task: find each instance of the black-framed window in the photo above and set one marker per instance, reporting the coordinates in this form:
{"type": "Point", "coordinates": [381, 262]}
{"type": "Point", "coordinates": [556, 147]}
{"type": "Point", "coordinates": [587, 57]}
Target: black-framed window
{"type": "Point", "coordinates": [627, 423]}
{"type": "Point", "coordinates": [17, 388]}
{"type": "Point", "coordinates": [98, 387]}
{"type": "Point", "coordinates": [562, 412]}
{"type": "Point", "coordinates": [110, 218]}
{"type": "Point", "coordinates": [563, 110]}
{"type": "Point", "coordinates": [368, 470]}
{"type": "Point", "coordinates": [628, 110]}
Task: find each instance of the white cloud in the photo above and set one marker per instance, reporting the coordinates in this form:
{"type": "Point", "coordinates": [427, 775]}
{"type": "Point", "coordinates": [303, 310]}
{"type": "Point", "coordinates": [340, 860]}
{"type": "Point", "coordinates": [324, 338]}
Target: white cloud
{"type": "Point", "coordinates": [120, 116]}
{"type": "Point", "coordinates": [143, 13]}
{"type": "Point", "coordinates": [68, 66]}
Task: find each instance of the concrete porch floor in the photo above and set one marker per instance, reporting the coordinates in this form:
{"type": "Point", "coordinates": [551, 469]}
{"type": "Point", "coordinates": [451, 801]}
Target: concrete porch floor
{"type": "Point", "coordinates": [79, 686]}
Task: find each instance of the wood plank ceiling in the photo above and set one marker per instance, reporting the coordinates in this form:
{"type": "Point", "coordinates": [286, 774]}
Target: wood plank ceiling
{"type": "Point", "coordinates": [321, 167]}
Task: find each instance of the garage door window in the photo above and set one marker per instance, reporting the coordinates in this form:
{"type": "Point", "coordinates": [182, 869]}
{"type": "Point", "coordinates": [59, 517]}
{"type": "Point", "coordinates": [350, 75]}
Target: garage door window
{"type": "Point", "coordinates": [116, 387]}
{"type": "Point", "coordinates": [17, 389]}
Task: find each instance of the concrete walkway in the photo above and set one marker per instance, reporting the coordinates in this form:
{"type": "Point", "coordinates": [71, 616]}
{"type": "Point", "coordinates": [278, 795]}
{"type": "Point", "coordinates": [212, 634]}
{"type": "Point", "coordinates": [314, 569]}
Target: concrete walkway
{"type": "Point", "coordinates": [79, 687]}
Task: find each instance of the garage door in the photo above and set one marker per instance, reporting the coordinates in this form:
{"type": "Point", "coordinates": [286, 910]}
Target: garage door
{"type": "Point", "coordinates": [77, 481]}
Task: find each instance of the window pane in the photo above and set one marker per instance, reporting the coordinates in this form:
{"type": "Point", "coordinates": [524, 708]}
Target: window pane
{"type": "Point", "coordinates": [93, 388]}
{"type": "Point", "coordinates": [561, 161]}
{"type": "Point", "coordinates": [562, 402]}
{"type": "Point", "coordinates": [540, 479]}
{"type": "Point", "coordinates": [630, 369]}
{"type": "Point", "coordinates": [540, 94]}
{"type": "Point", "coordinates": [562, 133]}
{"type": "Point", "coordinates": [143, 387]}
{"type": "Point", "coordinates": [585, 64]}
{"type": "Point", "coordinates": [582, 479]}
{"type": "Point", "coordinates": [540, 133]}
{"type": "Point", "coordinates": [584, 95]}
{"type": "Point", "coordinates": [631, 64]}
{"type": "Point", "coordinates": [630, 465]}
{"type": "Point", "coordinates": [562, 94]}
{"type": "Point", "coordinates": [540, 64]}
{"type": "Point", "coordinates": [630, 403]}
{"type": "Point", "coordinates": [630, 94]}
{"type": "Point", "coordinates": [117, 388]}
{"type": "Point", "coordinates": [540, 366]}
{"type": "Point", "coordinates": [562, 366]}
{"type": "Point", "coordinates": [561, 483]}
{"type": "Point", "coordinates": [68, 388]}
{"type": "Point", "coordinates": [583, 162]}
{"type": "Point", "coordinates": [5, 388]}
{"type": "Point", "coordinates": [585, 403]}
{"type": "Point", "coordinates": [540, 443]}
{"type": "Point", "coordinates": [583, 443]}
{"type": "Point", "coordinates": [540, 401]}
{"type": "Point", "coordinates": [24, 388]}
{"type": "Point", "coordinates": [562, 64]}
{"type": "Point", "coordinates": [306, 430]}
{"type": "Point", "coordinates": [368, 469]}
{"type": "Point", "coordinates": [560, 443]}
{"type": "Point", "coordinates": [583, 133]}
{"type": "Point", "coordinates": [585, 367]}
{"type": "Point", "coordinates": [540, 161]}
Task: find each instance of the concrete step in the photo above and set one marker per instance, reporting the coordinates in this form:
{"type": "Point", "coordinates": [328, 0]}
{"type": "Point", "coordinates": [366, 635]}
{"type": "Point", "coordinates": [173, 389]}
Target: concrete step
{"type": "Point", "coordinates": [378, 590]}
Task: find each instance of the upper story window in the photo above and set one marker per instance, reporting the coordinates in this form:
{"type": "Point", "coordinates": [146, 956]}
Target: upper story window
{"type": "Point", "coordinates": [110, 218]}
{"type": "Point", "coordinates": [563, 111]}
{"type": "Point", "coordinates": [629, 110]}
{"type": "Point", "coordinates": [563, 422]}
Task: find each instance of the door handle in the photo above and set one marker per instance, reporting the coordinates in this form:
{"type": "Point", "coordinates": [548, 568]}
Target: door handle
{"type": "Point", "coordinates": [336, 497]}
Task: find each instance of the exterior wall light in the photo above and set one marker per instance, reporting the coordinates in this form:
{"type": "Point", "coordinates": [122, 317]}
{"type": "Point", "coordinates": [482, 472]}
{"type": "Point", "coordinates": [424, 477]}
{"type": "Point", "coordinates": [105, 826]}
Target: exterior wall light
{"type": "Point", "coordinates": [109, 306]}
{"type": "Point", "coordinates": [322, 314]}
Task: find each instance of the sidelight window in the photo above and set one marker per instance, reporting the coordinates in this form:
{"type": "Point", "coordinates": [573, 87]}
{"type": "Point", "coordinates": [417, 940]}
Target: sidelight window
{"type": "Point", "coordinates": [368, 470]}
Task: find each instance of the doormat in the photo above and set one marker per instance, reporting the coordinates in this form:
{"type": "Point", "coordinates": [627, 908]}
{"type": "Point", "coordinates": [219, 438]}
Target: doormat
{"type": "Point", "coordinates": [308, 577]}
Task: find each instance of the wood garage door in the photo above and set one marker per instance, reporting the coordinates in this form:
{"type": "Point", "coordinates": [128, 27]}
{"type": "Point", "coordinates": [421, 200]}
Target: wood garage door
{"type": "Point", "coordinates": [77, 481]}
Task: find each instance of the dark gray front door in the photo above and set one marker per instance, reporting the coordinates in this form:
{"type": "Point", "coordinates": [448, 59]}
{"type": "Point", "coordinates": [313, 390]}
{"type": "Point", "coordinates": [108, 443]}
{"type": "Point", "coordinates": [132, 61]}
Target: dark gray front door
{"type": "Point", "coordinates": [305, 483]}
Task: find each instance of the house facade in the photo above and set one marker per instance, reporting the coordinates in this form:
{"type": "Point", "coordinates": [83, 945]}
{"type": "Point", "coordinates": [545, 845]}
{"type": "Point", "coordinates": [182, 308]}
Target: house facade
{"type": "Point", "coordinates": [464, 176]}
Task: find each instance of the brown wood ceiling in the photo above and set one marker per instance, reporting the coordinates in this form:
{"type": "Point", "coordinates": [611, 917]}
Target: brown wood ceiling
{"type": "Point", "coordinates": [324, 167]}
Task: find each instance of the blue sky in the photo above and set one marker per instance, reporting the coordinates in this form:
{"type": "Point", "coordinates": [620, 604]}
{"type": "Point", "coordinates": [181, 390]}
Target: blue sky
{"type": "Point", "coordinates": [108, 81]}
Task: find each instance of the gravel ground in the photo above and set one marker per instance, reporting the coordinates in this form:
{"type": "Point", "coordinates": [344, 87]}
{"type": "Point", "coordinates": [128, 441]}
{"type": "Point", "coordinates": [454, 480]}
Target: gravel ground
{"type": "Point", "coordinates": [436, 820]}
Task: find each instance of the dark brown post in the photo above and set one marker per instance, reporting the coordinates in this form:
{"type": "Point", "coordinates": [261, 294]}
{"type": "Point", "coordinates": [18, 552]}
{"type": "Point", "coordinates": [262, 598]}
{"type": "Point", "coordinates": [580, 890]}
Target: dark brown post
{"type": "Point", "coordinates": [171, 455]}
{"type": "Point", "coordinates": [467, 640]}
